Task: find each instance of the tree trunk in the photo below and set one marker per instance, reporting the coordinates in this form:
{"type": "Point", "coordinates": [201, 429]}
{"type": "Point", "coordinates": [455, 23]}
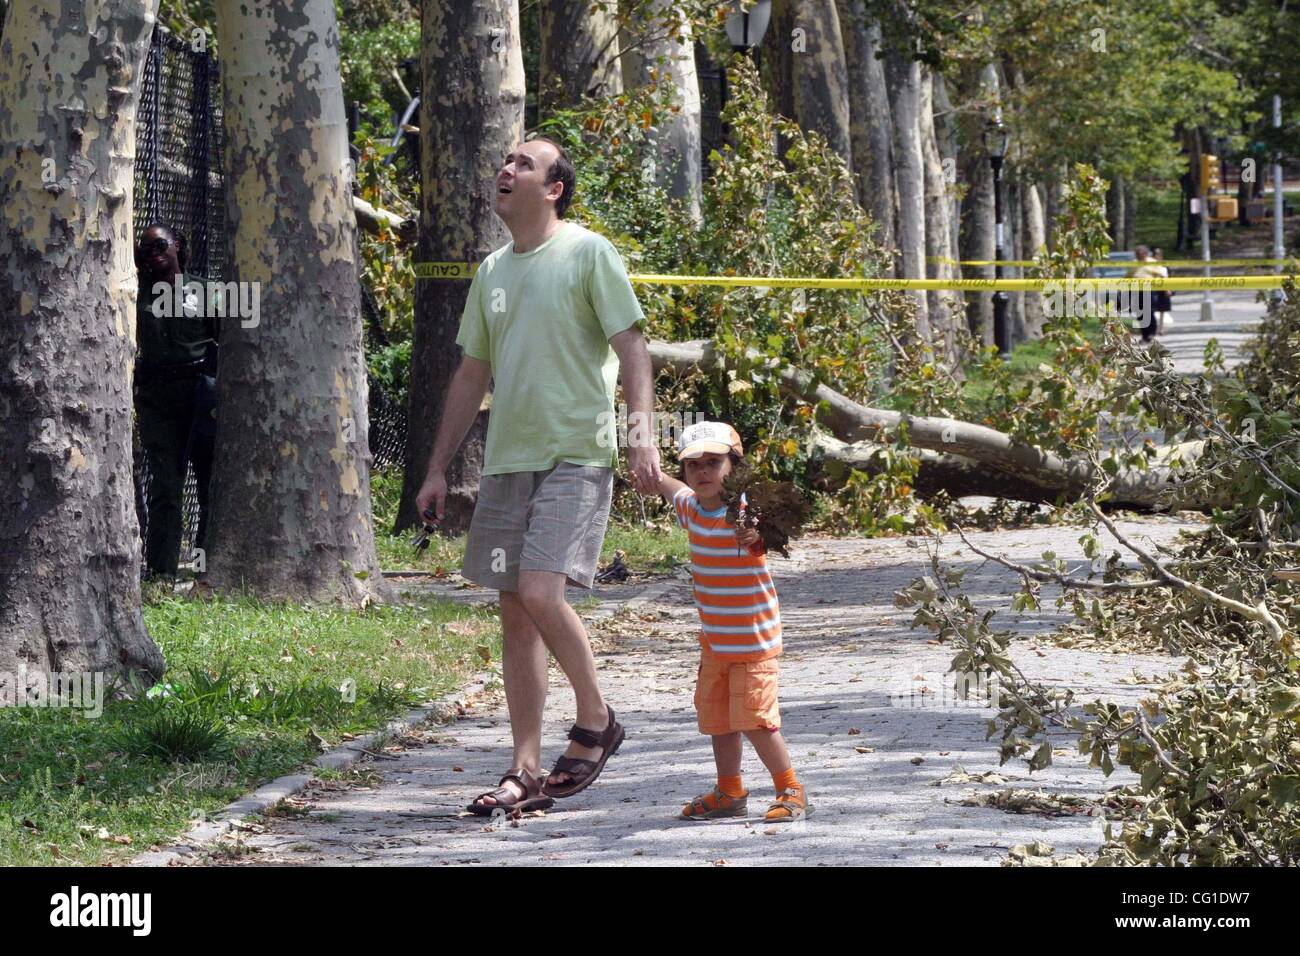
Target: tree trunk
{"type": "Point", "coordinates": [631, 58]}
{"type": "Point", "coordinates": [977, 235]}
{"type": "Point", "coordinates": [472, 110]}
{"type": "Point", "coordinates": [69, 540]}
{"type": "Point", "coordinates": [853, 33]}
{"type": "Point", "coordinates": [1130, 214]}
{"type": "Point", "coordinates": [945, 127]}
{"type": "Point", "coordinates": [291, 518]}
{"type": "Point", "coordinates": [1012, 214]}
{"type": "Point", "coordinates": [904, 74]}
{"type": "Point", "coordinates": [1115, 212]}
{"type": "Point", "coordinates": [978, 239]}
{"type": "Point", "coordinates": [678, 139]}
{"type": "Point", "coordinates": [1014, 465]}
{"type": "Point", "coordinates": [1051, 209]}
{"type": "Point", "coordinates": [777, 61]}
{"type": "Point", "coordinates": [959, 477]}
{"type": "Point", "coordinates": [821, 82]}
{"type": "Point", "coordinates": [939, 301]}
{"type": "Point", "coordinates": [871, 123]}
{"type": "Point", "coordinates": [579, 48]}
{"type": "Point", "coordinates": [1033, 230]}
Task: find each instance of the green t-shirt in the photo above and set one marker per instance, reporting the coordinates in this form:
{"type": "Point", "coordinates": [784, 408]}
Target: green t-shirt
{"type": "Point", "coordinates": [543, 321]}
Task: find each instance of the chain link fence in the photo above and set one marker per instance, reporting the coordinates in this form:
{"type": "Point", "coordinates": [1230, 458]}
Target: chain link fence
{"type": "Point", "coordinates": [179, 182]}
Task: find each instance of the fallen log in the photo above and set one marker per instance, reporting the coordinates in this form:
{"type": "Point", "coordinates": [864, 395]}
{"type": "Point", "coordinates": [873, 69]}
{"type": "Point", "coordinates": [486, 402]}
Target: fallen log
{"type": "Point", "coordinates": [960, 457]}
{"type": "Point", "coordinates": [372, 219]}
{"type": "Point", "coordinates": [959, 476]}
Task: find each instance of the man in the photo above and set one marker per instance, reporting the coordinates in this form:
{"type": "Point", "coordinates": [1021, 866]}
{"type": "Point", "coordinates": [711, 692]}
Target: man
{"type": "Point", "coordinates": [175, 397]}
{"type": "Point", "coordinates": [551, 318]}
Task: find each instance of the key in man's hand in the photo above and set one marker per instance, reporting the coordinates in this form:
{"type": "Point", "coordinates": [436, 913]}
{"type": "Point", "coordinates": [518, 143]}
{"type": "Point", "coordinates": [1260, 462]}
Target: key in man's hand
{"type": "Point", "coordinates": [421, 541]}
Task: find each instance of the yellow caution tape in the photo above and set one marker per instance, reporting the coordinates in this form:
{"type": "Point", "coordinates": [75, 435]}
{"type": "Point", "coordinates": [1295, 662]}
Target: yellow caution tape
{"type": "Point", "coordinates": [973, 285]}
{"type": "Point", "coordinates": [1126, 263]}
{"type": "Point", "coordinates": [445, 270]}
{"type": "Point", "coordinates": [461, 270]}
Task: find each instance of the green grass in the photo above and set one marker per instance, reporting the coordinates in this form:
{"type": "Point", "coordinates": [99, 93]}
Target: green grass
{"type": "Point", "coordinates": [249, 689]}
{"type": "Point", "coordinates": [1157, 221]}
{"type": "Point", "coordinates": [1157, 225]}
{"type": "Point", "coordinates": [264, 679]}
{"type": "Point", "coordinates": [1023, 365]}
{"type": "Point", "coordinates": [646, 549]}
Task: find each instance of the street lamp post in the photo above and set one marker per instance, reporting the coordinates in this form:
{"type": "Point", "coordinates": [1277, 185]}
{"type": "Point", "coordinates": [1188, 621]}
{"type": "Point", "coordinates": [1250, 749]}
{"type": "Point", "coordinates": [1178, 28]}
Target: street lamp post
{"type": "Point", "coordinates": [1279, 246]}
{"type": "Point", "coordinates": [746, 25]}
{"type": "Point", "coordinates": [745, 29]}
{"type": "Point", "coordinates": [995, 144]}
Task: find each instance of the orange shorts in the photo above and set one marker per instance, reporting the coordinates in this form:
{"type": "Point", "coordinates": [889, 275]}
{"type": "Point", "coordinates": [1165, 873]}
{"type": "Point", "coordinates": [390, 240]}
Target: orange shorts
{"type": "Point", "coordinates": [736, 695]}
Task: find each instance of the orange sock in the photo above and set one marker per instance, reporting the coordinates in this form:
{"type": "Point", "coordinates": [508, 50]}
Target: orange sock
{"type": "Point", "coordinates": [785, 780]}
{"type": "Point", "coordinates": [731, 786]}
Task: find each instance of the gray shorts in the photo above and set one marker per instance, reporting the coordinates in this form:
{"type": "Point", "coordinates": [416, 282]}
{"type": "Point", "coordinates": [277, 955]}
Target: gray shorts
{"type": "Point", "coordinates": [552, 520]}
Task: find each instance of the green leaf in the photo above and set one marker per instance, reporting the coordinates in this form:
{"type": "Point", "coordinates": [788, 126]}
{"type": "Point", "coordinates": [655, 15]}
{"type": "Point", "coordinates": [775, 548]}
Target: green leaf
{"type": "Point", "coordinates": [1042, 757]}
{"type": "Point", "coordinates": [1284, 700]}
{"type": "Point", "coordinates": [1284, 790]}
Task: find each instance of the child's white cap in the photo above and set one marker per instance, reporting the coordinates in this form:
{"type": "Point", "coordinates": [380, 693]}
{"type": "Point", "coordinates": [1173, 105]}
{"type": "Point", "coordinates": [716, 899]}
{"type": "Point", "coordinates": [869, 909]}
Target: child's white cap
{"type": "Point", "coordinates": [702, 437]}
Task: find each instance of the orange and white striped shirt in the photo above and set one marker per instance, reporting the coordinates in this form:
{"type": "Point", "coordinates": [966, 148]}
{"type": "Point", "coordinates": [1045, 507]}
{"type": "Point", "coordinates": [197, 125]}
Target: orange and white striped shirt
{"type": "Point", "coordinates": [740, 619]}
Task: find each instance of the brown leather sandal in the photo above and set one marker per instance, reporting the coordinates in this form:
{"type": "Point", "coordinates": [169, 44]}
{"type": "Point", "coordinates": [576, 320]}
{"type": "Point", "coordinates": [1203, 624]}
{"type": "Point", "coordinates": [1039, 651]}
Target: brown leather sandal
{"type": "Point", "coordinates": [791, 804]}
{"type": "Point", "coordinates": [715, 805]}
{"type": "Point", "coordinates": [509, 801]}
{"type": "Point", "coordinates": [581, 771]}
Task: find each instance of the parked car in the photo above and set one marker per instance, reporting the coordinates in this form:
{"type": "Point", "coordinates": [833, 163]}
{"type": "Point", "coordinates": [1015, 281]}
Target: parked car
{"type": "Point", "coordinates": [1117, 271]}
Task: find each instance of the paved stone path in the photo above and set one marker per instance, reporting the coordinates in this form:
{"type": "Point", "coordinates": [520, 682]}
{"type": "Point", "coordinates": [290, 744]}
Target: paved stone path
{"type": "Point", "coordinates": [851, 660]}
{"type": "Point", "coordinates": [1236, 313]}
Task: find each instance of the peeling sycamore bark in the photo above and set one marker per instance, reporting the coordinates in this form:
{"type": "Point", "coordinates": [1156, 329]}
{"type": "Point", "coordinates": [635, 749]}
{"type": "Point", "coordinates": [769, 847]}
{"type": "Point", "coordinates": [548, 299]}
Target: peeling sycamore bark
{"type": "Point", "coordinates": [472, 116]}
{"type": "Point", "coordinates": [904, 74]}
{"type": "Point", "coordinates": [778, 64]}
{"type": "Point", "coordinates": [821, 83]}
{"type": "Point", "coordinates": [580, 51]}
{"type": "Point", "coordinates": [1034, 231]}
{"type": "Point", "coordinates": [69, 542]}
{"type": "Point", "coordinates": [977, 226]}
{"type": "Point", "coordinates": [937, 231]}
{"type": "Point", "coordinates": [677, 142]}
{"type": "Point", "coordinates": [291, 513]}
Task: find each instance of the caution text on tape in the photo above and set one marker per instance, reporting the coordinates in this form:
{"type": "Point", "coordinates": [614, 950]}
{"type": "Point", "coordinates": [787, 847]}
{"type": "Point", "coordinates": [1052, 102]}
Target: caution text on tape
{"type": "Point", "coordinates": [445, 270]}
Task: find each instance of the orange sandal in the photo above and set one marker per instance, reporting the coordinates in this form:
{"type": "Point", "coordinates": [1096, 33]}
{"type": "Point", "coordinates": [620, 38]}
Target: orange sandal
{"type": "Point", "coordinates": [712, 806]}
{"type": "Point", "coordinates": [790, 804]}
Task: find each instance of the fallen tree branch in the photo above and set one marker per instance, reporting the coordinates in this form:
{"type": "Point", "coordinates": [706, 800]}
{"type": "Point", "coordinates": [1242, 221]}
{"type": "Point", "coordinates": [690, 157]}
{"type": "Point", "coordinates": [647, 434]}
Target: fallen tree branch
{"type": "Point", "coordinates": [1258, 613]}
{"type": "Point", "coordinates": [372, 219]}
{"type": "Point", "coordinates": [975, 459]}
{"type": "Point", "coordinates": [1055, 577]}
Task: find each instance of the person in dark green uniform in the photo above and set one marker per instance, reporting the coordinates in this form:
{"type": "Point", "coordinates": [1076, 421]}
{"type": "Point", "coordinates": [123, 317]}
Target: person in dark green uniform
{"type": "Point", "coordinates": [175, 379]}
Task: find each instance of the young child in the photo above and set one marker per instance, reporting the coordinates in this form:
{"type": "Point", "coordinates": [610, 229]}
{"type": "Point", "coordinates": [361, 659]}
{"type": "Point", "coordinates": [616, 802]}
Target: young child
{"type": "Point", "coordinates": [740, 631]}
